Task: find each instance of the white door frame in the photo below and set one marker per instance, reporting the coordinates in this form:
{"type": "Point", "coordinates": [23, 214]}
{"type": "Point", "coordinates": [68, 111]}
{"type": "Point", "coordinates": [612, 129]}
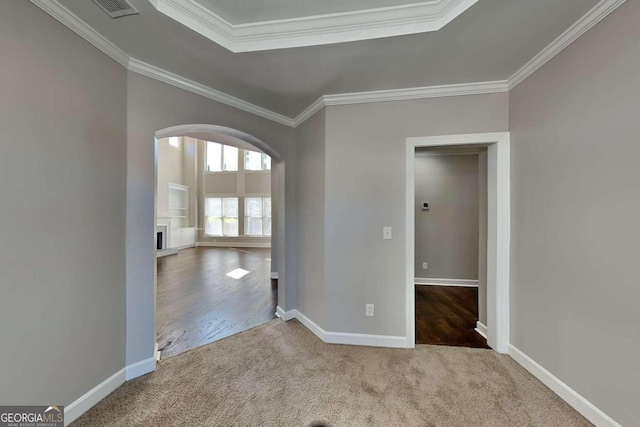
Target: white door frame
{"type": "Point", "coordinates": [498, 230]}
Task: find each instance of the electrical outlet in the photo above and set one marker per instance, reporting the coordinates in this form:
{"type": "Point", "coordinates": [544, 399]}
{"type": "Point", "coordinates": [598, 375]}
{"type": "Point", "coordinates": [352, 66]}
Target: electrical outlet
{"type": "Point", "coordinates": [369, 310]}
{"type": "Point", "coordinates": [425, 265]}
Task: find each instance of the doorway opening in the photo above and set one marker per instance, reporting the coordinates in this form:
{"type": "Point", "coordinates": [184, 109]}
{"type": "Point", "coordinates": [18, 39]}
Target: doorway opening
{"type": "Point", "coordinates": [450, 245]}
{"type": "Point", "coordinates": [217, 219]}
{"type": "Point", "coordinates": [454, 228]}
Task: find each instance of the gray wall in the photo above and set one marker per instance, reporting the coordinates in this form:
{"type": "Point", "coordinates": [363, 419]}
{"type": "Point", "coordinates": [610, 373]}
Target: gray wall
{"type": "Point", "coordinates": [152, 106]}
{"type": "Point", "coordinates": [63, 185]}
{"type": "Point", "coordinates": [447, 234]}
{"type": "Point", "coordinates": [365, 190]}
{"type": "Point", "coordinates": [310, 236]}
{"type": "Point", "coordinates": [575, 202]}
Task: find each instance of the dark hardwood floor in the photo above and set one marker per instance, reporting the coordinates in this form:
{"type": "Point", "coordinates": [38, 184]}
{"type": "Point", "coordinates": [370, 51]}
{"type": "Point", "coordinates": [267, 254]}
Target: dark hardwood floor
{"type": "Point", "coordinates": [197, 303]}
{"type": "Point", "coordinates": [447, 315]}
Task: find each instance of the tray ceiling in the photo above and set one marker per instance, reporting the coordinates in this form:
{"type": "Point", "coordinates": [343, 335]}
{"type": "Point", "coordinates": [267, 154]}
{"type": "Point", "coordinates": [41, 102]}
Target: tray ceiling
{"type": "Point", "coordinates": [277, 24]}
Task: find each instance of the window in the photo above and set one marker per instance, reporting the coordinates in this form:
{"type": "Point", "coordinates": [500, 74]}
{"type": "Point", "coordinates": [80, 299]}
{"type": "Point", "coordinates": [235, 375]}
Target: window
{"type": "Point", "coordinates": [221, 157]}
{"type": "Point", "coordinates": [257, 220]}
{"type": "Point", "coordinates": [174, 141]}
{"type": "Point", "coordinates": [255, 161]}
{"type": "Point", "coordinates": [222, 216]}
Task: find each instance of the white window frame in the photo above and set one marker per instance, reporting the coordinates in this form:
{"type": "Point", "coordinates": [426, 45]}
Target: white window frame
{"type": "Point", "coordinates": [246, 214]}
{"type": "Point", "coordinates": [262, 162]}
{"type": "Point", "coordinates": [222, 218]}
{"type": "Point", "coordinates": [222, 146]}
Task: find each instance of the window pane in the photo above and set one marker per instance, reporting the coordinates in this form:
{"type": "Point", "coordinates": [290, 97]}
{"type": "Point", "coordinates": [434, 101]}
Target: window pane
{"type": "Point", "coordinates": [267, 206]}
{"type": "Point", "coordinates": [230, 207]}
{"type": "Point", "coordinates": [213, 226]}
{"type": "Point", "coordinates": [254, 227]}
{"type": "Point", "coordinates": [253, 161]}
{"type": "Point", "coordinates": [214, 157]}
{"type": "Point", "coordinates": [267, 226]}
{"type": "Point", "coordinates": [230, 159]}
{"type": "Point", "coordinates": [213, 206]}
{"type": "Point", "coordinates": [174, 141]}
{"type": "Point", "coordinates": [253, 207]}
{"type": "Point", "coordinates": [267, 162]}
{"type": "Point", "coordinates": [230, 226]}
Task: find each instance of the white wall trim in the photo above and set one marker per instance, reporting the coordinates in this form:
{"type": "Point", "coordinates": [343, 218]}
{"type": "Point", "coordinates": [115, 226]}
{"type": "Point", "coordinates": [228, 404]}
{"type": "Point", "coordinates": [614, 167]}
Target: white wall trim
{"type": "Point", "coordinates": [166, 252]}
{"type": "Point", "coordinates": [498, 241]}
{"type": "Point", "coordinates": [584, 24]}
{"type": "Point", "coordinates": [84, 30]}
{"type": "Point", "coordinates": [234, 244]}
{"type": "Point", "coordinates": [140, 368]}
{"type": "Point", "coordinates": [93, 396]}
{"type": "Point", "coordinates": [418, 17]}
{"type": "Point", "coordinates": [481, 328]}
{"type": "Point", "coordinates": [274, 275]}
{"type": "Point", "coordinates": [566, 393]}
{"type": "Point", "coordinates": [446, 282]}
{"type": "Point", "coordinates": [343, 337]}
{"type": "Point", "coordinates": [176, 80]}
{"type": "Point", "coordinates": [99, 392]}
{"type": "Point", "coordinates": [426, 92]}
{"type": "Point", "coordinates": [73, 22]}
{"type": "Point", "coordinates": [284, 315]}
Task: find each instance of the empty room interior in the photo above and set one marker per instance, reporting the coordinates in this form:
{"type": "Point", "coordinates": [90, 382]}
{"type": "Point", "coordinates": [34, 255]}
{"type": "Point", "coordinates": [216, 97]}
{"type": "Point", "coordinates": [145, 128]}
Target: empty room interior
{"type": "Point", "coordinates": [305, 213]}
{"type": "Point", "coordinates": [213, 242]}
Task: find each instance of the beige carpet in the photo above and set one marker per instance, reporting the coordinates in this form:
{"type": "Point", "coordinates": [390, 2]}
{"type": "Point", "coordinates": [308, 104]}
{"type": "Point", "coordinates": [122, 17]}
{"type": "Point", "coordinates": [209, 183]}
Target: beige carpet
{"type": "Point", "coordinates": [280, 374]}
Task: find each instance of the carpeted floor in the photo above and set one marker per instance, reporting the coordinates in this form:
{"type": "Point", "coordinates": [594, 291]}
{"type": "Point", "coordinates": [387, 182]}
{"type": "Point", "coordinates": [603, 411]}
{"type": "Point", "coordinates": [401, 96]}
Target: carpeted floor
{"type": "Point", "coordinates": [280, 374]}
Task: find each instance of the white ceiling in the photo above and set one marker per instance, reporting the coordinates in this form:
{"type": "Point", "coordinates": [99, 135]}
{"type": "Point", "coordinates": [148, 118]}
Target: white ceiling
{"type": "Point", "coordinates": [243, 11]}
{"type": "Point", "coordinates": [488, 42]}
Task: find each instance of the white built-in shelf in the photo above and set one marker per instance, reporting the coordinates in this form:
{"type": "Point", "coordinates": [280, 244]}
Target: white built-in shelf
{"type": "Point", "coordinates": [179, 196]}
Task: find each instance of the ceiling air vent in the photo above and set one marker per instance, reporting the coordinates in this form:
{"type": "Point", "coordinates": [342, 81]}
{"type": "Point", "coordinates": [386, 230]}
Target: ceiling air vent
{"type": "Point", "coordinates": [116, 8]}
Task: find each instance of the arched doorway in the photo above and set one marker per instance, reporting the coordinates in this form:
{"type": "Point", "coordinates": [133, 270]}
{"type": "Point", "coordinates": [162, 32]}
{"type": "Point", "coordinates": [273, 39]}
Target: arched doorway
{"type": "Point", "coordinates": [244, 141]}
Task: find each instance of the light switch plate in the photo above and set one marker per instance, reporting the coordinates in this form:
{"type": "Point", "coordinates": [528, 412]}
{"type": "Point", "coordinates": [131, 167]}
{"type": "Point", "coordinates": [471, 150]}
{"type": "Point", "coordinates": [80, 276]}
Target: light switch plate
{"type": "Point", "coordinates": [386, 233]}
{"type": "Point", "coordinates": [369, 310]}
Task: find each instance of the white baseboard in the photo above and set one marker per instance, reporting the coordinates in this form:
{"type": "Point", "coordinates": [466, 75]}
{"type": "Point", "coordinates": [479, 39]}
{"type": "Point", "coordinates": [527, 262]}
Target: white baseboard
{"type": "Point", "coordinates": [566, 393]}
{"type": "Point", "coordinates": [481, 328]}
{"type": "Point", "coordinates": [274, 275]}
{"type": "Point", "coordinates": [285, 315]}
{"type": "Point", "coordinates": [157, 353]}
{"type": "Point", "coordinates": [446, 282]}
{"type": "Point", "coordinates": [166, 252]}
{"type": "Point", "coordinates": [140, 368]}
{"type": "Point", "coordinates": [93, 396]}
{"type": "Point", "coordinates": [342, 337]}
{"type": "Point", "coordinates": [99, 392]}
{"type": "Point", "coordinates": [234, 244]}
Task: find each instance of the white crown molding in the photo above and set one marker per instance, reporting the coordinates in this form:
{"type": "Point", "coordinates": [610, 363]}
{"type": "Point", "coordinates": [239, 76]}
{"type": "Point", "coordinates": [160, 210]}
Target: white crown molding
{"type": "Point", "coordinates": [314, 30]}
{"type": "Point", "coordinates": [402, 95]}
{"type": "Point", "coordinates": [172, 79]}
{"type": "Point", "coordinates": [584, 24]}
{"type": "Point", "coordinates": [70, 20]}
{"type": "Point", "coordinates": [77, 25]}
{"type": "Point", "coordinates": [81, 28]}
